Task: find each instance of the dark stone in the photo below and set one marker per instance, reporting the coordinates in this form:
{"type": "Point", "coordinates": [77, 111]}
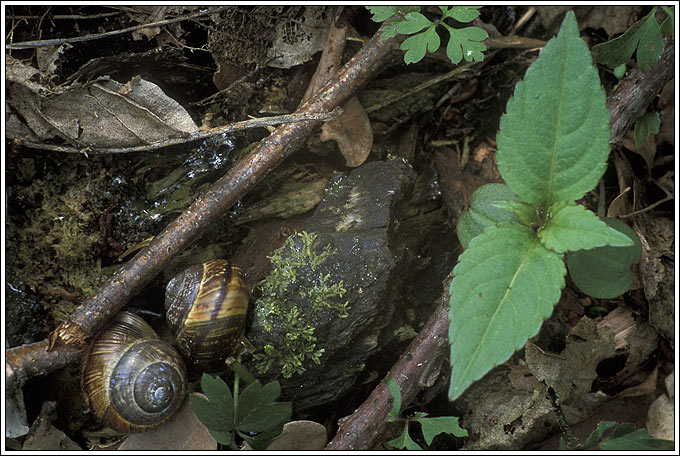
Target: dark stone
{"type": "Point", "coordinates": [359, 218]}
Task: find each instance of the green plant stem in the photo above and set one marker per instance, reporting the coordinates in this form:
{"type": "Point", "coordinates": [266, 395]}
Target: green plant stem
{"type": "Point", "coordinates": [240, 371]}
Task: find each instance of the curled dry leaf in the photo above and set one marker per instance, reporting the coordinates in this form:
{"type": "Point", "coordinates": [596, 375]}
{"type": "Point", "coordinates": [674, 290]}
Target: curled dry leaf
{"type": "Point", "coordinates": [352, 132]}
{"type": "Point", "coordinates": [103, 113]}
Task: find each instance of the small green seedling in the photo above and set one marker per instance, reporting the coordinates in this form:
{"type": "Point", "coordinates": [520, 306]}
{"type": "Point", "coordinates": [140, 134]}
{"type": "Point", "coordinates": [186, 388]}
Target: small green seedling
{"type": "Point", "coordinates": [624, 437]}
{"type": "Point", "coordinates": [645, 37]}
{"type": "Point", "coordinates": [430, 426]}
{"type": "Point", "coordinates": [553, 145]}
{"type": "Point", "coordinates": [254, 415]}
{"type": "Point", "coordinates": [408, 20]}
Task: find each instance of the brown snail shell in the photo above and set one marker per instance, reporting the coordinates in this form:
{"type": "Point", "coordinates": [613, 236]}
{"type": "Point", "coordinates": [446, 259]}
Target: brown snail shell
{"type": "Point", "coordinates": [206, 307]}
{"type": "Point", "coordinates": [132, 380]}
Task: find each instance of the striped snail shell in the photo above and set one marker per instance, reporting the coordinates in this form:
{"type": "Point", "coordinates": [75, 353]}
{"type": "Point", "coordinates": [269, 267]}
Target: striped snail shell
{"type": "Point", "coordinates": [132, 380]}
{"type": "Point", "coordinates": [206, 307]}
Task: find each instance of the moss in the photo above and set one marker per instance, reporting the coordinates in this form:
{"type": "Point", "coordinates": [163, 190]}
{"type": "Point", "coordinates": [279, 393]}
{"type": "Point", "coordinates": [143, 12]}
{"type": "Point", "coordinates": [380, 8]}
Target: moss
{"type": "Point", "coordinates": [296, 276]}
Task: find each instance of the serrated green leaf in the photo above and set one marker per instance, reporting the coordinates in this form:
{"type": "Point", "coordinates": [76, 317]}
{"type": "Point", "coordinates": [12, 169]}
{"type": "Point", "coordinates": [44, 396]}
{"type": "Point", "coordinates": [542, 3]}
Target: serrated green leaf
{"type": "Point", "coordinates": [382, 13]}
{"type": "Point", "coordinates": [393, 386]}
{"type": "Point", "coordinates": [646, 125]}
{"type": "Point", "coordinates": [466, 42]}
{"type": "Point", "coordinates": [526, 213]}
{"type": "Point", "coordinates": [413, 23]}
{"type": "Point", "coordinates": [483, 213]}
{"type": "Point", "coordinates": [505, 285]}
{"type": "Point", "coordinates": [650, 46]}
{"type": "Point", "coordinates": [637, 440]}
{"type": "Point", "coordinates": [431, 426]}
{"type": "Point", "coordinates": [464, 13]}
{"type": "Point", "coordinates": [570, 226]}
{"type": "Point", "coordinates": [594, 436]}
{"type": "Point", "coordinates": [604, 272]}
{"type": "Point", "coordinates": [405, 441]}
{"type": "Point", "coordinates": [553, 141]}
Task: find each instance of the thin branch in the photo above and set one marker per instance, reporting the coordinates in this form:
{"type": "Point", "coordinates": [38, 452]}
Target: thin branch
{"type": "Point", "coordinates": [231, 128]}
{"type": "Point", "coordinates": [97, 36]}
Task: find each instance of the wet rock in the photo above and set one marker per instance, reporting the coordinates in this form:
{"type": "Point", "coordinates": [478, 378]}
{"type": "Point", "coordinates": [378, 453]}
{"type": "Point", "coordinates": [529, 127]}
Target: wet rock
{"type": "Point", "coordinates": [354, 246]}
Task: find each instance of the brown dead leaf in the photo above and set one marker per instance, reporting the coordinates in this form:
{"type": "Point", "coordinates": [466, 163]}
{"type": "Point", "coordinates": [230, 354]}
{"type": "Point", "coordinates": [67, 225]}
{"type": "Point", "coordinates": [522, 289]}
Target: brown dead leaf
{"type": "Point", "coordinates": [184, 431]}
{"type": "Point", "coordinates": [352, 132]}
{"type": "Point", "coordinates": [521, 378]}
{"type": "Point", "coordinates": [299, 436]}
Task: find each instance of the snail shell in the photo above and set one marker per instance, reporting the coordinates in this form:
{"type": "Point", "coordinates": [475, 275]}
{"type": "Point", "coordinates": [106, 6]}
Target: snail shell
{"type": "Point", "coordinates": [206, 307]}
{"type": "Point", "coordinates": [131, 380]}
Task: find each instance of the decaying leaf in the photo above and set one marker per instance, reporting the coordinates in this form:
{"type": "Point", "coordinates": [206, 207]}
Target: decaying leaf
{"type": "Point", "coordinates": [352, 132]}
{"type": "Point", "coordinates": [299, 435]}
{"type": "Point", "coordinates": [103, 113]}
{"type": "Point", "coordinates": [573, 370]}
{"type": "Point", "coordinates": [183, 432]}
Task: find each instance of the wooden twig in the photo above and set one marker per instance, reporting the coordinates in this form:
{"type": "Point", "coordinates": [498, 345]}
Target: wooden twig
{"type": "Point", "coordinates": [202, 134]}
{"type": "Point", "coordinates": [216, 201]}
{"type": "Point", "coordinates": [97, 36]}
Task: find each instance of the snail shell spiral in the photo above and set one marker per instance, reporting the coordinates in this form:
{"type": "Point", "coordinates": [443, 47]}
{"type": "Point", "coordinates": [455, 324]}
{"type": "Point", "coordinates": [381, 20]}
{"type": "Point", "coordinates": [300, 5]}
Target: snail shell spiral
{"type": "Point", "coordinates": [131, 380]}
{"type": "Point", "coordinates": [206, 307]}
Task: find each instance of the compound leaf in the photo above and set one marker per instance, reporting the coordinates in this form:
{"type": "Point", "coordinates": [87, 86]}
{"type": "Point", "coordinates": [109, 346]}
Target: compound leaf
{"type": "Point", "coordinates": [463, 13]}
{"type": "Point", "coordinates": [573, 227]}
{"type": "Point", "coordinates": [382, 13]}
{"type": "Point", "coordinates": [416, 45]}
{"type": "Point", "coordinates": [553, 141]}
{"type": "Point", "coordinates": [466, 42]}
{"type": "Point", "coordinates": [413, 23]}
{"type": "Point", "coordinates": [431, 426]}
{"type": "Point", "coordinates": [505, 285]}
{"type": "Point", "coordinates": [216, 412]}
{"type": "Point", "coordinates": [405, 441]}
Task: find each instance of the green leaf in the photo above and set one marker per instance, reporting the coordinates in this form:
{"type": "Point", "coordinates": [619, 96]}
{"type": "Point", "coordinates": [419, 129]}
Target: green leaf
{"type": "Point", "coordinates": [216, 412]}
{"type": "Point", "coordinates": [637, 440]}
{"type": "Point", "coordinates": [553, 140]}
{"type": "Point", "coordinates": [620, 71]}
{"type": "Point", "coordinates": [393, 386]}
{"type": "Point", "coordinates": [650, 46]}
{"type": "Point", "coordinates": [483, 213]}
{"type": "Point", "coordinates": [526, 213]}
{"type": "Point", "coordinates": [646, 125]}
{"type": "Point", "coordinates": [416, 45]}
{"type": "Point", "coordinates": [466, 42]}
{"type": "Point", "coordinates": [463, 13]}
{"type": "Point", "coordinates": [505, 285]}
{"type": "Point", "coordinates": [595, 436]}
{"type": "Point", "coordinates": [413, 23]}
{"type": "Point", "coordinates": [258, 411]}
{"type": "Point", "coordinates": [573, 227]}
{"type": "Point", "coordinates": [262, 440]}
{"type": "Point", "coordinates": [405, 441]}
{"type": "Point", "coordinates": [432, 426]}
{"type": "Point", "coordinates": [668, 25]}
{"type": "Point", "coordinates": [604, 272]}
{"type": "Point", "coordinates": [382, 13]}
{"type": "Point", "coordinates": [644, 35]}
